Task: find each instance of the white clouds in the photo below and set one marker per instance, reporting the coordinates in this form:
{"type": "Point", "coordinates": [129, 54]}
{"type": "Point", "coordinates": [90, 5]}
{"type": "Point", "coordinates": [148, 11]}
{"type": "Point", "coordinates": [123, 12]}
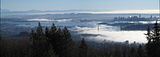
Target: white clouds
{"type": "Point", "coordinates": [38, 20]}
{"type": "Point", "coordinates": [46, 20]}
{"type": "Point", "coordinates": [119, 36]}
{"type": "Point", "coordinates": [113, 35]}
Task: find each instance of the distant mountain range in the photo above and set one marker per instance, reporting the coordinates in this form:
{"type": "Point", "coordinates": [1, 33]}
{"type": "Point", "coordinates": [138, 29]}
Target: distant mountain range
{"type": "Point", "coordinates": [7, 10]}
{"type": "Point", "coordinates": [86, 11]}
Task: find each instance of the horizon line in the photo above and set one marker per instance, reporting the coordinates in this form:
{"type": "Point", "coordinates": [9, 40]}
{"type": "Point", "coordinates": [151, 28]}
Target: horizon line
{"type": "Point", "coordinates": [154, 11]}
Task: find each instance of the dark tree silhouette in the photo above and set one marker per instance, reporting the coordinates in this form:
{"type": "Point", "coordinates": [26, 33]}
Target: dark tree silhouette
{"type": "Point", "coordinates": [83, 48]}
{"type": "Point", "coordinates": [153, 37]}
{"type": "Point", "coordinates": [39, 42]}
{"type": "Point", "coordinates": [59, 39]}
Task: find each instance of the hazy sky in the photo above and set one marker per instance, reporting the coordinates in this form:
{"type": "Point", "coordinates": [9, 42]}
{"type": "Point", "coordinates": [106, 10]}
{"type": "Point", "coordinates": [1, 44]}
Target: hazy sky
{"type": "Point", "coordinates": [80, 4]}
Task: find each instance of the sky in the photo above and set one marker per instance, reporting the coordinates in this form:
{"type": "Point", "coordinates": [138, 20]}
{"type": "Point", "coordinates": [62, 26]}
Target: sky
{"type": "Point", "coordinates": [22, 5]}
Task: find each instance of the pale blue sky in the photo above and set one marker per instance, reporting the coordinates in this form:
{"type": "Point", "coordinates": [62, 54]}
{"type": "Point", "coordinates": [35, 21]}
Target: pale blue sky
{"type": "Point", "coordinates": [80, 4]}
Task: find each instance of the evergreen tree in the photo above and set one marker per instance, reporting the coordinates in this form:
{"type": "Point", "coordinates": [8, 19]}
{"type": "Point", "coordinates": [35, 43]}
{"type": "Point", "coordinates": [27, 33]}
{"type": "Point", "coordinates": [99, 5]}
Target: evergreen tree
{"type": "Point", "coordinates": [70, 46]}
{"type": "Point", "coordinates": [60, 40]}
{"type": "Point", "coordinates": [47, 32]}
{"type": "Point", "coordinates": [83, 48]}
{"type": "Point", "coordinates": [153, 37]}
{"type": "Point", "coordinates": [39, 30]}
{"type": "Point", "coordinates": [39, 42]}
{"type": "Point", "coordinates": [66, 33]}
{"type": "Point", "coordinates": [53, 28]}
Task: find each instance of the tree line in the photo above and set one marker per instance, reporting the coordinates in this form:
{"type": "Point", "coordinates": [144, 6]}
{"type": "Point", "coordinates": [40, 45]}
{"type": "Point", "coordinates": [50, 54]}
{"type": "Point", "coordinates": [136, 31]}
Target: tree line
{"type": "Point", "coordinates": [57, 42]}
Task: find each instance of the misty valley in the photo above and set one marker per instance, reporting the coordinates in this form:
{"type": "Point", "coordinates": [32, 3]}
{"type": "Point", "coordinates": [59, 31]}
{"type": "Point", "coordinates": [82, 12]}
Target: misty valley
{"type": "Point", "coordinates": [80, 35]}
{"type": "Point", "coordinates": [104, 26]}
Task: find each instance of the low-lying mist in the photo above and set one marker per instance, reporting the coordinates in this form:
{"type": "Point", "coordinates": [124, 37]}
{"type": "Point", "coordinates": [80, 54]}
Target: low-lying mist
{"type": "Point", "coordinates": [112, 34]}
